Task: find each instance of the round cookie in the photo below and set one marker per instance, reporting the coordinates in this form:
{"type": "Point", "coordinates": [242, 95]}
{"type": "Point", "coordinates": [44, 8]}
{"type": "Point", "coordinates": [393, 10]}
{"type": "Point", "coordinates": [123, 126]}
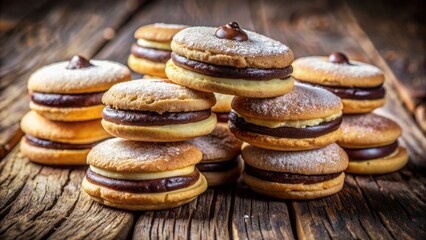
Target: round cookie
{"type": "Point", "coordinates": [156, 110]}
{"type": "Point", "coordinates": [220, 149]}
{"type": "Point", "coordinates": [357, 83]}
{"type": "Point", "coordinates": [222, 107]}
{"type": "Point", "coordinates": [72, 91]}
{"type": "Point", "coordinates": [152, 49]}
{"type": "Point", "coordinates": [230, 60]}
{"type": "Point", "coordinates": [295, 175]}
{"type": "Point", "coordinates": [143, 175]}
{"type": "Point", "coordinates": [306, 118]}
{"type": "Point", "coordinates": [59, 143]}
{"type": "Point", "coordinates": [371, 142]}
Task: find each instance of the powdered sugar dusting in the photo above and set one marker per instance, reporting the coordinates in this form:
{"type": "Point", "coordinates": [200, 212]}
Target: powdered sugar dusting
{"type": "Point", "coordinates": [366, 126]}
{"type": "Point", "coordinates": [121, 154]}
{"type": "Point", "coordinates": [329, 159]}
{"type": "Point", "coordinates": [203, 38]}
{"type": "Point", "coordinates": [321, 65]}
{"type": "Point", "coordinates": [298, 102]}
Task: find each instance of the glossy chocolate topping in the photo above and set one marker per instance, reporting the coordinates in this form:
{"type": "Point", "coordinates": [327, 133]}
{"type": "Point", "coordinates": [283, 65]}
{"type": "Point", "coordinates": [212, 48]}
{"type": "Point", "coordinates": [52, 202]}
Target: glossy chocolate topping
{"type": "Point", "coordinates": [217, 166]}
{"type": "Point", "coordinates": [354, 93]}
{"type": "Point", "coordinates": [222, 117]}
{"type": "Point", "coordinates": [286, 132]}
{"type": "Point", "coordinates": [371, 153]}
{"type": "Point", "coordinates": [144, 186]}
{"type": "Point", "coordinates": [78, 62]}
{"type": "Point", "coordinates": [259, 74]}
{"type": "Point", "coordinates": [155, 55]}
{"type": "Point", "coordinates": [291, 178]}
{"type": "Point", "coordinates": [339, 58]}
{"type": "Point", "coordinates": [37, 142]}
{"type": "Point", "coordinates": [145, 118]}
{"type": "Point", "coordinates": [231, 31]}
{"type": "Point", "coordinates": [67, 100]}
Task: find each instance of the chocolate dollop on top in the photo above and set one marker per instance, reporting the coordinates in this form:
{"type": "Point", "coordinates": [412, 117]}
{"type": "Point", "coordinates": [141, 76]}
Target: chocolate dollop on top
{"type": "Point", "coordinates": [339, 58]}
{"type": "Point", "coordinates": [78, 62]}
{"type": "Point", "coordinates": [231, 31]}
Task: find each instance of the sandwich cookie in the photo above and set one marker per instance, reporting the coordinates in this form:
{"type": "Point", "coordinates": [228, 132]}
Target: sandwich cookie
{"type": "Point", "coordinates": [152, 49]}
{"type": "Point", "coordinates": [306, 118]}
{"type": "Point", "coordinates": [295, 175]}
{"type": "Point", "coordinates": [220, 149]}
{"type": "Point", "coordinates": [156, 110]}
{"type": "Point", "coordinates": [222, 107]}
{"type": "Point", "coordinates": [231, 61]}
{"type": "Point", "coordinates": [59, 143]}
{"type": "Point", "coordinates": [142, 175]}
{"type": "Point", "coordinates": [371, 143]}
{"type": "Point", "coordinates": [360, 85]}
{"type": "Point", "coordinates": [72, 91]}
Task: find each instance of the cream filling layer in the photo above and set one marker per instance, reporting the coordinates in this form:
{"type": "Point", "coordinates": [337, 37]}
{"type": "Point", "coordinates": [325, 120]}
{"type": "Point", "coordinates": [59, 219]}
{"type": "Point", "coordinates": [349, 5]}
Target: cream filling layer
{"type": "Point", "coordinates": [151, 44]}
{"type": "Point", "coordinates": [294, 124]}
{"type": "Point", "coordinates": [143, 176]}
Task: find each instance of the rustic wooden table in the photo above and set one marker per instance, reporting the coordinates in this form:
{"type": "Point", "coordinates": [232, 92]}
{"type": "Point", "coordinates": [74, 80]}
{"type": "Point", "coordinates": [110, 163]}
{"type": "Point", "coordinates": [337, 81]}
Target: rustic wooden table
{"type": "Point", "coordinates": [39, 202]}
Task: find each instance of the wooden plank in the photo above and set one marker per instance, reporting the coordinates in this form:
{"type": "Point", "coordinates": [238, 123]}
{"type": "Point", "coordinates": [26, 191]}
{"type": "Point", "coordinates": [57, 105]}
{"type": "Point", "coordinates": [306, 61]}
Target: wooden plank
{"type": "Point", "coordinates": [312, 29]}
{"type": "Point", "coordinates": [47, 37]}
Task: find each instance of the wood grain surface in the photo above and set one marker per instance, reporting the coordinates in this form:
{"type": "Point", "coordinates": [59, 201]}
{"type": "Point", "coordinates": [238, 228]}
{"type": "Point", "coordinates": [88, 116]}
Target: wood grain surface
{"type": "Point", "coordinates": [39, 202]}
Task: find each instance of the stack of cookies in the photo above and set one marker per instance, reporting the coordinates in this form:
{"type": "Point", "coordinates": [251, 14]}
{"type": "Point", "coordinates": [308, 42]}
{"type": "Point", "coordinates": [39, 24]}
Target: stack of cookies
{"type": "Point", "coordinates": [369, 140]}
{"type": "Point", "coordinates": [66, 104]}
{"type": "Point", "coordinates": [150, 166]}
{"type": "Point", "coordinates": [292, 153]}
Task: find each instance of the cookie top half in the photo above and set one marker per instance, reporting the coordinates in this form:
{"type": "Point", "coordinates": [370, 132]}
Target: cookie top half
{"type": "Point", "coordinates": [120, 155]}
{"type": "Point", "coordinates": [78, 75]}
{"type": "Point", "coordinates": [157, 95]}
{"type": "Point", "coordinates": [326, 160]}
{"type": "Point", "coordinates": [368, 130]}
{"type": "Point", "coordinates": [303, 103]}
{"type": "Point", "coordinates": [257, 51]}
{"type": "Point", "coordinates": [158, 32]}
{"type": "Point", "coordinates": [341, 72]}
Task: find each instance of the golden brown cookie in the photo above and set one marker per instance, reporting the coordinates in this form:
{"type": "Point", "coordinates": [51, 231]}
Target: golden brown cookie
{"type": "Point", "coordinates": [230, 60]}
{"type": "Point", "coordinates": [72, 91]}
{"type": "Point", "coordinates": [306, 118]}
{"type": "Point", "coordinates": [59, 143]}
{"type": "Point", "coordinates": [220, 150]}
{"type": "Point", "coordinates": [358, 84]}
{"type": "Point", "coordinates": [371, 142]}
{"type": "Point", "coordinates": [295, 175]}
{"type": "Point", "coordinates": [136, 176]}
{"type": "Point", "coordinates": [157, 110]}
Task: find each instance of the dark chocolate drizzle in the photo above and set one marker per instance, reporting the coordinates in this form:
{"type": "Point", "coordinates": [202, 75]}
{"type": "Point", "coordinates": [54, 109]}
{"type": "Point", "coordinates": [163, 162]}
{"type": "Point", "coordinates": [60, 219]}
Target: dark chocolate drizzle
{"type": "Point", "coordinates": [78, 62]}
{"type": "Point", "coordinates": [146, 118]}
{"type": "Point", "coordinates": [67, 100]}
{"type": "Point", "coordinates": [371, 153]}
{"type": "Point", "coordinates": [43, 143]}
{"type": "Point", "coordinates": [155, 55]}
{"type": "Point", "coordinates": [291, 178]}
{"type": "Point", "coordinates": [353, 93]}
{"type": "Point", "coordinates": [254, 74]}
{"type": "Point", "coordinates": [144, 186]}
{"type": "Point", "coordinates": [231, 31]}
{"type": "Point", "coordinates": [286, 132]}
{"type": "Point", "coordinates": [217, 166]}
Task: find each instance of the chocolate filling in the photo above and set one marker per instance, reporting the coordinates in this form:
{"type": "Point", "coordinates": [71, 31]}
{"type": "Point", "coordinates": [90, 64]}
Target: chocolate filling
{"type": "Point", "coordinates": [222, 117]}
{"type": "Point", "coordinates": [291, 178]}
{"type": "Point", "coordinates": [286, 132]}
{"type": "Point", "coordinates": [144, 186]}
{"type": "Point", "coordinates": [38, 142]}
{"type": "Point", "coordinates": [354, 93]}
{"type": "Point", "coordinates": [67, 100]}
{"type": "Point", "coordinates": [217, 166]}
{"type": "Point", "coordinates": [256, 74]}
{"type": "Point", "coordinates": [371, 153]}
{"type": "Point", "coordinates": [155, 55]}
{"type": "Point", "coordinates": [145, 118]}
